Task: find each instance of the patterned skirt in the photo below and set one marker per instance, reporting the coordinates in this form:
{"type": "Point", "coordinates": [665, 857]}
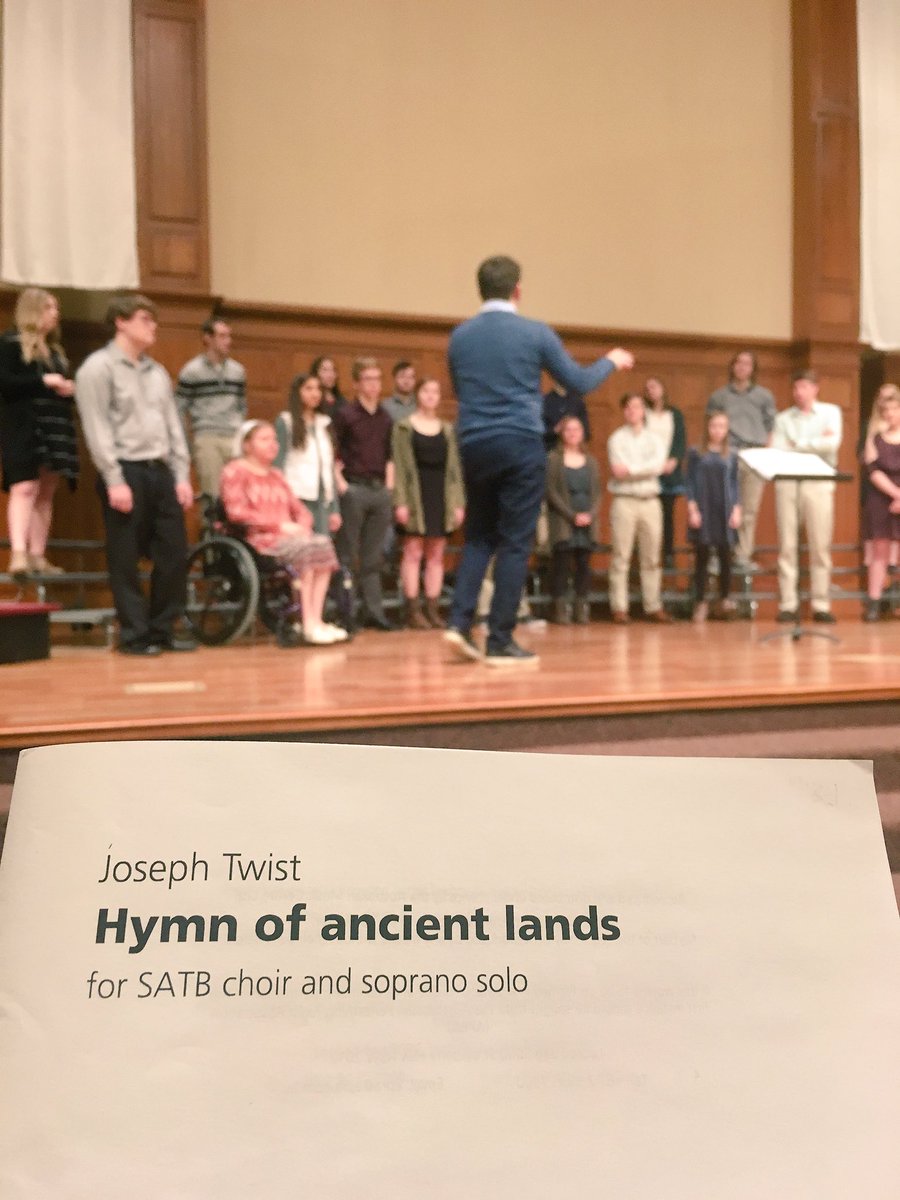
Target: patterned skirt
{"type": "Point", "coordinates": [306, 552]}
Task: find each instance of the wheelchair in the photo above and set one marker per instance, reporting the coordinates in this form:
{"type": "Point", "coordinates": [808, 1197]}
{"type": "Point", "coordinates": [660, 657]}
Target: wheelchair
{"type": "Point", "coordinates": [229, 585]}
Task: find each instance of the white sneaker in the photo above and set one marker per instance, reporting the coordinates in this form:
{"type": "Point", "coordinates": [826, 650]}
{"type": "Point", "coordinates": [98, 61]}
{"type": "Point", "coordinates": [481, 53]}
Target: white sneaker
{"type": "Point", "coordinates": [318, 637]}
{"type": "Point", "coordinates": [335, 632]}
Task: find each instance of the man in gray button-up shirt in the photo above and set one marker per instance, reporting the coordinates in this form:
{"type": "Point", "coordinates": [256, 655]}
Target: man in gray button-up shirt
{"type": "Point", "coordinates": [138, 446]}
{"type": "Point", "coordinates": [751, 418]}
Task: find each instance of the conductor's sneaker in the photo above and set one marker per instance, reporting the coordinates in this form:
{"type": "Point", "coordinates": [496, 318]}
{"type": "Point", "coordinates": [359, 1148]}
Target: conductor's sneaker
{"type": "Point", "coordinates": [788, 616]}
{"type": "Point", "coordinates": [510, 655]}
{"type": "Point", "coordinates": [462, 644]}
{"type": "Point", "coordinates": [824, 617]}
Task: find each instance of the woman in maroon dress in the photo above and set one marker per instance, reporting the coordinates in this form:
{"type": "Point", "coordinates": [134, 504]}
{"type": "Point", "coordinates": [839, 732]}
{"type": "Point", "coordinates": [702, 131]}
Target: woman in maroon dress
{"type": "Point", "coordinates": [881, 455]}
{"type": "Point", "coordinates": [257, 496]}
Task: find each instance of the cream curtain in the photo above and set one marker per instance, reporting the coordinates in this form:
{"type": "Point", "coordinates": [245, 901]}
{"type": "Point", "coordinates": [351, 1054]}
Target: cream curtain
{"type": "Point", "coordinates": [68, 193]}
{"type": "Point", "coordinates": [879, 122]}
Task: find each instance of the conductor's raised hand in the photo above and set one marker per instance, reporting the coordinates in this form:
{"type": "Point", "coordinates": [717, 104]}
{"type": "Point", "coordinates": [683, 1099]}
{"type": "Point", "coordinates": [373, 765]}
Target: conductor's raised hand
{"type": "Point", "coordinates": [622, 360]}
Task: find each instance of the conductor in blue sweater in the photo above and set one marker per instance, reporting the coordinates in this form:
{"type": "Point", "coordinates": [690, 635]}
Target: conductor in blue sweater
{"type": "Point", "coordinates": [496, 359]}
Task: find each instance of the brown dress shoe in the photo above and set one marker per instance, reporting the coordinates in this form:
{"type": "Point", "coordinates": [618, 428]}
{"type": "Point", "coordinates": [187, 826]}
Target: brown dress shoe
{"type": "Point", "coordinates": [660, 617]}
{"type": "Point", "coordinates": [620, 618]}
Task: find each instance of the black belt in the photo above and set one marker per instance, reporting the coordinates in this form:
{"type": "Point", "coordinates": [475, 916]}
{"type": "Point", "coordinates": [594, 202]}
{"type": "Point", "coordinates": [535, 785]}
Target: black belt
{"type": "Point", "coordinates": [144, 462]}
{"type": "Point", "coordinates": [372, 481]}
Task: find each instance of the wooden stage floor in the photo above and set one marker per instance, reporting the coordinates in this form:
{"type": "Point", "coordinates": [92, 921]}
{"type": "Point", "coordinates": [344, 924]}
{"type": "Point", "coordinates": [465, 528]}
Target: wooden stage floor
{"type": "Point", "coordinates": [408, 680]}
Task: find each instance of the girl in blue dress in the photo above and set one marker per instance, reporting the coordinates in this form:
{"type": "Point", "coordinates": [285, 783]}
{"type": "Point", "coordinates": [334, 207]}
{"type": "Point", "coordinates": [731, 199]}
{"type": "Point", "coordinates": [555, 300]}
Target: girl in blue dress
{"type": "Point", "coordinates": [714, 514]}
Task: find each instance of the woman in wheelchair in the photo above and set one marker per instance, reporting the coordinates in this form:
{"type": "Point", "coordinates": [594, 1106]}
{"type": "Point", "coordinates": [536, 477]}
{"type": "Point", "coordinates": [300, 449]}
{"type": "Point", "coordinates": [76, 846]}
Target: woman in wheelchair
{"type": "Point", "coordinates": [256, 496]}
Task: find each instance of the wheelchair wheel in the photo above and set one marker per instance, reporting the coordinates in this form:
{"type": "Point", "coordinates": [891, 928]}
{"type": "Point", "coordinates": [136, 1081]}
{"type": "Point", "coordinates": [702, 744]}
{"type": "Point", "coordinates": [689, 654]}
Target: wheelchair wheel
{"type": "Point", "coordinates": [278, 604]}
{"type": "Point", "coordinates": [222, 591]}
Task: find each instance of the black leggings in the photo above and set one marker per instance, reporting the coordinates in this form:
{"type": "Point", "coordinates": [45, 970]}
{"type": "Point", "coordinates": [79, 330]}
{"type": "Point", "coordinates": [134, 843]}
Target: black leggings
{"type": "Point", "coordinates": [701, 570]}
{"type": "Point", "coordinates": [580, 559]}
{"type": "Point", "coordinates": [668, 508]}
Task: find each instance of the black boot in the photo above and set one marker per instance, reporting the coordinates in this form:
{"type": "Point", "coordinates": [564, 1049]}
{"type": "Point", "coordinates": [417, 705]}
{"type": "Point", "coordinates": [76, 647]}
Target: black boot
{"type": "Point", "coordinates": [433, 614]}
{"type": "Point", "coordinates": [415, 618]}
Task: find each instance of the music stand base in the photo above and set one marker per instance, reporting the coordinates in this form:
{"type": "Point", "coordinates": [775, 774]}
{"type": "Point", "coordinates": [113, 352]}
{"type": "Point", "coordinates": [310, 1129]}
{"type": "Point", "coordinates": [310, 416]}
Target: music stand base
{"type": "Point", "coordinates": [796, 632]}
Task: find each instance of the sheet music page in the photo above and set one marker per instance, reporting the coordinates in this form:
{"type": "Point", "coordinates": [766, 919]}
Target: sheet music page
{"type": "Point", "coordinates": [239, 969]}
{"type": "Point", "coordinates": [769, 462]}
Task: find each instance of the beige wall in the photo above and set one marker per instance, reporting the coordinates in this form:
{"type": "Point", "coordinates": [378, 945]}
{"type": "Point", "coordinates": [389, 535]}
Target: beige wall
{"type": "Point", "coordinates": [634, 154]}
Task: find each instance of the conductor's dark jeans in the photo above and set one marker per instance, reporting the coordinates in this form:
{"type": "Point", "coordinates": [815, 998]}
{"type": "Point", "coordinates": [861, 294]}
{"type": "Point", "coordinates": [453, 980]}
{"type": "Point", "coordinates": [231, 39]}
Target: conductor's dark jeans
{"type": "Point", "coordinates": [505, 478]}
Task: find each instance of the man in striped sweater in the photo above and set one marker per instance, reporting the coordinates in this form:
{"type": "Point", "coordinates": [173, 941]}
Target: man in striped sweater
{"type": "Point", "coordinates": [212, 400]}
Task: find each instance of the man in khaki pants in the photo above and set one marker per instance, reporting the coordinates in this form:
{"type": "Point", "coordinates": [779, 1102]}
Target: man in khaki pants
{"type": "Point", "coordinates": [636, 459]}
{"type": "Point", "coordinates": [812, 428]}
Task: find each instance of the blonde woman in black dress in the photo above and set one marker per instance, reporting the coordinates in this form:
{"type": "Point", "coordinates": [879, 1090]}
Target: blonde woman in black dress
{"type": "Point", "coordinates": [37, 430]}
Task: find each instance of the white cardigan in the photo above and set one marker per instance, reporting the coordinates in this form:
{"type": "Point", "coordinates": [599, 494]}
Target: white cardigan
{"type": "Point", "coordinates": [304, 468]}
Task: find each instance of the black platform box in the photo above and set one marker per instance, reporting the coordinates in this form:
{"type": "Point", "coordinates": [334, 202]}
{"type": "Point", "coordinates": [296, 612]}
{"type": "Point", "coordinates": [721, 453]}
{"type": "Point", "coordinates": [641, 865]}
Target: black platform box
{"type": "Point", "coordinates": [24, 631]}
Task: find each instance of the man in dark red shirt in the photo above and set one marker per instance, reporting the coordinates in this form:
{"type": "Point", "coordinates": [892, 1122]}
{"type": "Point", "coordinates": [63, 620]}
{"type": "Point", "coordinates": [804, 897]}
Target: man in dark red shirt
{"type": "Point", "coordinates": [363, 435]}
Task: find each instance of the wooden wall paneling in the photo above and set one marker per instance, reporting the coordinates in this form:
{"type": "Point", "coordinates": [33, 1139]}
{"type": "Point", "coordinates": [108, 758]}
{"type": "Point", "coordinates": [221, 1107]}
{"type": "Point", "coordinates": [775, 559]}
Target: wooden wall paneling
{"type": "Point", "coordinates": [76, 515]}
{"type": "Point", "coordinates": [170, 139]}
{"type": "Point", "coordinates": [890, 369]}
{"type": "Point", "coordinates": [276, 343]}
{"type": "Point", "coordinates": [7, 306]}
